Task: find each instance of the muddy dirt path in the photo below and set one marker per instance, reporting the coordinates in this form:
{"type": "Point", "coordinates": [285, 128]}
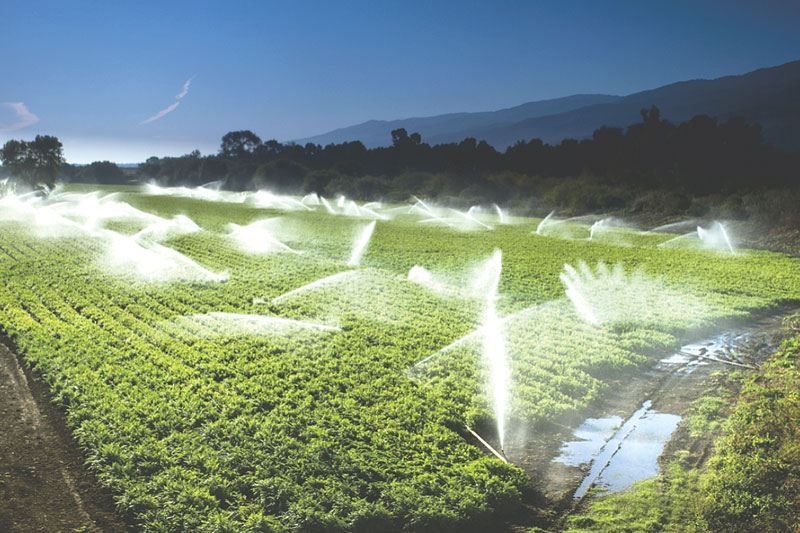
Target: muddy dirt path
{"type": "Point", "coordinates": [668, 388]}
{"type": "Point", "coordinates": [44, 485]}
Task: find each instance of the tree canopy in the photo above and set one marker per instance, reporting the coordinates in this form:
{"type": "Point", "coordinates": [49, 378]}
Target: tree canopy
{"type": "Point", "coordinates": [35, 162]}
{"type": "Point", "coordinates": [101, 172]}
{"type": "Point", "coordinates": [239, 143]}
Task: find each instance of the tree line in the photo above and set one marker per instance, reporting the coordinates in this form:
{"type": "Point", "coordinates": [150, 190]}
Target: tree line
{"type": "Point", "coordinates": [697, 157]}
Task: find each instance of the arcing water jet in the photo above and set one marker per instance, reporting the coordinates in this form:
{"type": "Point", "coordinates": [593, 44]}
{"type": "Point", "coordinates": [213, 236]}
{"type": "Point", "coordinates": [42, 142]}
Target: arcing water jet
{"type": "Point", "coordinates": [606, 295]}
{"type": "Point", "coordinates": [163, 229]}
{"type": "Point", "coordinates": [470, 218]}
{"type": "Point", "coordinates": [154, 262]}
{"type": "Point", "coordinates": [256, 238]}
{"type": "Point", "coordinates": [327, 205]}
{"type": "Point", "coordinates": [312, 285]}
{"type": "Point", "coordinates": [494, 347]}
{"type": "Point", "coordinates": [572, 280]}
{"type": "Point", "coordinates": [544, 222]}
{"type": "Point", "coordinates": [715, 237]}
{"type": "Point", "coordinates": [311, 199]}
{"type": "Point", "coordinates": [501, 217]}
{"type": "Point", "coordinates": [678, 238]}
{"type": "Point", "coordinates": [595, 227]}
{"type": "Point", "coordinates": [361, 244]}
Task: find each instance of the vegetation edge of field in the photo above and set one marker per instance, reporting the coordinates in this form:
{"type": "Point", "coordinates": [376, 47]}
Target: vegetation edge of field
{"type": "Point", "coordinates": [751, 483]}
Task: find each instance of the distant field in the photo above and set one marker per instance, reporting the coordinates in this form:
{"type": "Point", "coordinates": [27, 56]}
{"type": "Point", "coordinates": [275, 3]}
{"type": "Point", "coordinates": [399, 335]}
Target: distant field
{"type": "Point", "coordinates": [210, 397]}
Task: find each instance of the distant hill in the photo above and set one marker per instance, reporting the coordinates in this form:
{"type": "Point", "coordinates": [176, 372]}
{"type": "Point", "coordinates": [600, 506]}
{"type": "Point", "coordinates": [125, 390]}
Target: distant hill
{"type": "Point", "coordinates": [768, 96]}
{"type": "Point", "coordinates": [376, 133]}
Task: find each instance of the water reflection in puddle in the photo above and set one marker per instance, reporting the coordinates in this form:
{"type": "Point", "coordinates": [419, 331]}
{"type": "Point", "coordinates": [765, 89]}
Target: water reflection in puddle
{"type": "Point", "coordinates": [593, 434]}
{"type": "Point", "coordinates": [619, 456]}
{"type": "Point", "coordinates": [718, 349]}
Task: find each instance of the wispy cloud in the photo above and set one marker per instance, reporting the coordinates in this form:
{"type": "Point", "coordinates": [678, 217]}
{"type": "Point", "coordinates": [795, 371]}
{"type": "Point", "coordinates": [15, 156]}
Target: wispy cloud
{"type": "Point", "coordinates": [24, 117]}
{"type": "Point", "coordinates": [172, 107]}
{"type": "Point", "coordinates": [161, 113]}
{"type": "Point", "coordinates": [185, 89]}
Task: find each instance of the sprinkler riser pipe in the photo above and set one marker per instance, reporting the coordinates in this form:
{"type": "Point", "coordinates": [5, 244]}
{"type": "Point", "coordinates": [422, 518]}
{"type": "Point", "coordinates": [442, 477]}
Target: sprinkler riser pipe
{"type": "Point", "coordinates": [486, 445]}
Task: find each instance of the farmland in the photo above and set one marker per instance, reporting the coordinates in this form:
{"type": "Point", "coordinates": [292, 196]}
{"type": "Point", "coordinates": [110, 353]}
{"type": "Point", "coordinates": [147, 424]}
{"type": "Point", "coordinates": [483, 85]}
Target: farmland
{"type": "Point", "coordinates": [213, 388]}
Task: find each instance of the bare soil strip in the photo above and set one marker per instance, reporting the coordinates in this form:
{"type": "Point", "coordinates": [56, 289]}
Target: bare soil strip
{"type": "Point", "coordinates": [44, 485]}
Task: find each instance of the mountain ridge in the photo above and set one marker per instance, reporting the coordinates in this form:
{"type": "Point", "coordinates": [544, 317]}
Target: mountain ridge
{"type": "Point", "coordinates": [765, 95]}
{"type": "Point", "coordinates": [376, 132]}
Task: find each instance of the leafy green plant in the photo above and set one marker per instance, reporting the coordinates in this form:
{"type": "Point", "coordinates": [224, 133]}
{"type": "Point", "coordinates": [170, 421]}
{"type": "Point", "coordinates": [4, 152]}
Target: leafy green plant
{"type": "Point", "coordinates": [204, 430]}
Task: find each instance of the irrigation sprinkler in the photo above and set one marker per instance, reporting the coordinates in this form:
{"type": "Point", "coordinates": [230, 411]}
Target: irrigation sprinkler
{"type": "Point", "coordinates": [486, 444]}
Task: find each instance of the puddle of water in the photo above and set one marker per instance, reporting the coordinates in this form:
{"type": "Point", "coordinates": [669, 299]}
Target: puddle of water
{"type": "Point", "coordinates": [718, 346]}
{"type": "Point", "coordinates": [593, 434]}
{"type": "Point", "coordinates": [637, 458]}
{"type": "Point", "coordinates": [719, 349]}
{"type": "Point", "coordinates": [619, 457]}
{"type": "Point", "coordinates": [676, 359]}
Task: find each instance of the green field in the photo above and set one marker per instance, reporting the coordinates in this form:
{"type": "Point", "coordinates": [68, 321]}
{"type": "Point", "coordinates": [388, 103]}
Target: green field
{"type": "Point", "coordinates": [200, 416]}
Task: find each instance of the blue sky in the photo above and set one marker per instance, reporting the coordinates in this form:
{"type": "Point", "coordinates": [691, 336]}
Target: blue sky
{"type": "Point", "coordinates": [94, 72]}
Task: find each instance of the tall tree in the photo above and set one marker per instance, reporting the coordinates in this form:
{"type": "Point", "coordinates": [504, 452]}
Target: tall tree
{"type": "Point", "coordinates": [239, 143]}
{"type": "Point", "coordinates": [36, 162]}
{"type": "Point", "coordinates": [14, 156]}
{"type": "Point", "coordinates": [399, 137]}
{"type": "Point", "coordinates": [47, 153]}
